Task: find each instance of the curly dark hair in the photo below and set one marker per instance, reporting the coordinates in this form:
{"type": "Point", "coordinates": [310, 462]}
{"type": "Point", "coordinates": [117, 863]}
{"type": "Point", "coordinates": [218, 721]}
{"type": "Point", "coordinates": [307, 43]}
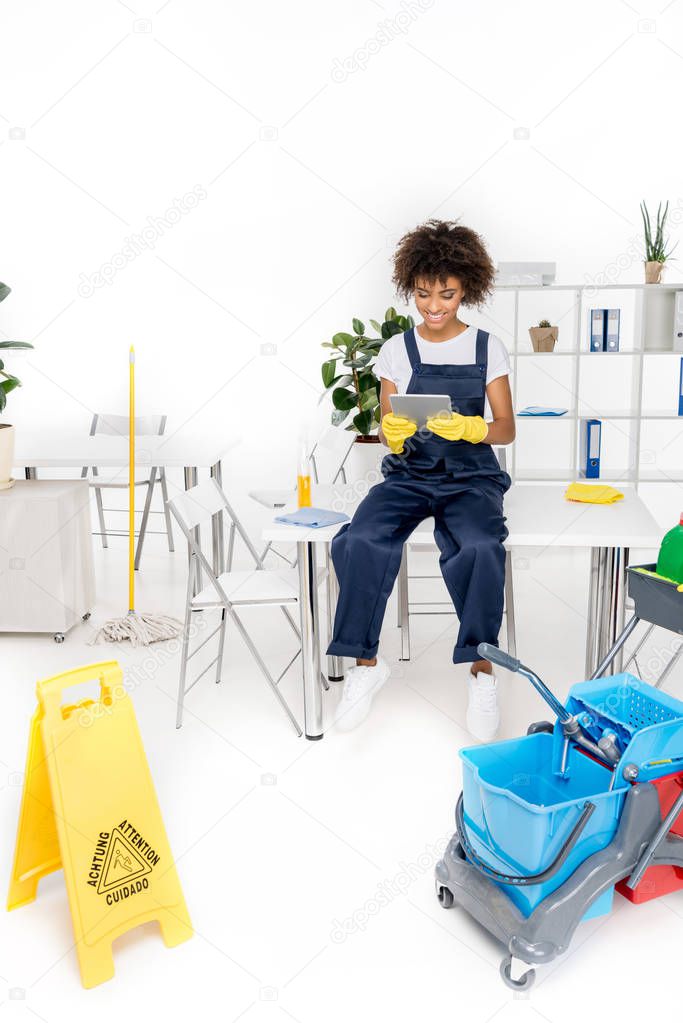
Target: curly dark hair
{"type": "Point", "coordinates": [439, 249]}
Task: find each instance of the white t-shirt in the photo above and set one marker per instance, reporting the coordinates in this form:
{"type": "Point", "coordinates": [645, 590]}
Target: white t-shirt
{"type": "Point", "coordinates": [393, 362]}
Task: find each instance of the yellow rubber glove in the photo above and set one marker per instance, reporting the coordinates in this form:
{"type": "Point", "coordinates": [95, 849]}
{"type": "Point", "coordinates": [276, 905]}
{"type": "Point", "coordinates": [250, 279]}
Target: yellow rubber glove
{"type": "Point", "coordinates": [396, 430]}
{"type": "Point", "coordinates": [590, 493]}
{"type": "Point", "coordinates": [456, 427]}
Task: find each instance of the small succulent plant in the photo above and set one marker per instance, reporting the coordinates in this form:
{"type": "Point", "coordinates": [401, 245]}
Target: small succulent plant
{"type": "Point", "coordinates": [544, 323]}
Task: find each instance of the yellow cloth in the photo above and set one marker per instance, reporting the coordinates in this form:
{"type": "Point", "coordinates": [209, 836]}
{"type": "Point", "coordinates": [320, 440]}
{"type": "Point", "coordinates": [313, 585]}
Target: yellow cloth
{"type": "Point", "coordinates": [591, 493]}
{"type": "Point", "coordinates": [396, 430]}
{"type": "Point", "coordinates": [457, 427]}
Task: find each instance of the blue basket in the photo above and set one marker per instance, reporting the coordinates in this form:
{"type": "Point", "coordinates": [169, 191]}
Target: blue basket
{"type": "Point", "coordinates": [519, 809]}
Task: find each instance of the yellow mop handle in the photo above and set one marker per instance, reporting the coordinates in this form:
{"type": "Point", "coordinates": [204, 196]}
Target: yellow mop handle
{"type": "Point", "coordinates": [131, 481]}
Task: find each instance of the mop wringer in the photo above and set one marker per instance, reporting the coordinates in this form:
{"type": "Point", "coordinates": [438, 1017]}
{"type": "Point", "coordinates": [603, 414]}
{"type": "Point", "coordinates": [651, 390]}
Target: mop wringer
{"type": "Point", "coordinates": [550, 823]}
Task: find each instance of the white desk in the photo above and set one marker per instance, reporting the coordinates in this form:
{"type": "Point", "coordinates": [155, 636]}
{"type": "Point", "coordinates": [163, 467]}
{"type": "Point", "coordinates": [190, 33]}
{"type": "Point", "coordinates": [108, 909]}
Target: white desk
{"type": "Point", "coordinates": [54, 449]}
{"type": "Point", "coordinates": [537, 516]}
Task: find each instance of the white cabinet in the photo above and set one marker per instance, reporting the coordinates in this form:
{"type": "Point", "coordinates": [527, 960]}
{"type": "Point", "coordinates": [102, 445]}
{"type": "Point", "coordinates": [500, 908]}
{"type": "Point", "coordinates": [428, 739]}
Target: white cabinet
{"type": "Point", "coordinates": [47, 582]}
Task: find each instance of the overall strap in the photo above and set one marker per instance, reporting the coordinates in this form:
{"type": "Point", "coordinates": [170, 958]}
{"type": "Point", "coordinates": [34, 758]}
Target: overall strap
{"type": "Point", "coordinates": [482, 351]}
{"type": "Point", "coordinates": [411, 349]}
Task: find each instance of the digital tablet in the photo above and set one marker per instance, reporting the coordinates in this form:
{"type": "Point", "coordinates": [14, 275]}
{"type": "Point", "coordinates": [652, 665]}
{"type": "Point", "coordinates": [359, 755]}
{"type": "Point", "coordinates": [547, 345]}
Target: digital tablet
{"type": "Point", "coordinates": [420, 407]}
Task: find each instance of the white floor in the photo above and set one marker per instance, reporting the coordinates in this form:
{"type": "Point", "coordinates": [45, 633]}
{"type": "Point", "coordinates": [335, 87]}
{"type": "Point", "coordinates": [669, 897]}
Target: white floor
{"type": "Point", "coordinates": [308, 867]}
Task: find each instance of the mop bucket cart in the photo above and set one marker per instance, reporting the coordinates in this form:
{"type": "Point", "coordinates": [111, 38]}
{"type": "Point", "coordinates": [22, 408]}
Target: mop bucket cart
{"type": "Point", "coordinates": [657, 602]}
{"type": "Point", "coordinates": [548, 824]}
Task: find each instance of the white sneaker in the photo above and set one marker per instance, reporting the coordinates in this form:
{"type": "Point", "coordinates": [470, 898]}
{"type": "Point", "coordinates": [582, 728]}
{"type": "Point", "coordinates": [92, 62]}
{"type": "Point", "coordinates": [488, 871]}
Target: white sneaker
{"type": "Point", "coordinates": [362, 684]}
{"type": "Point", "coordinates": [483, 715]}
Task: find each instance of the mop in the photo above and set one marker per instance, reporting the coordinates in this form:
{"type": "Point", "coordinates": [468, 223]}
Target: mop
{"type": "Point", "coordinates": [140, 629]}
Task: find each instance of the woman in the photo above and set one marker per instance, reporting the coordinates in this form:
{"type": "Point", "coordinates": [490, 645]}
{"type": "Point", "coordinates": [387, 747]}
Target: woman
{"type": "Point", "coordinates": [447, 471]}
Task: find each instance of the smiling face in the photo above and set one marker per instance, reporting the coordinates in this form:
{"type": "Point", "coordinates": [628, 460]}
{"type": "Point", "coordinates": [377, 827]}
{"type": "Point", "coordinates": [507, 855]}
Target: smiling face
{"type": "Point", "coordinates": [438, 302]}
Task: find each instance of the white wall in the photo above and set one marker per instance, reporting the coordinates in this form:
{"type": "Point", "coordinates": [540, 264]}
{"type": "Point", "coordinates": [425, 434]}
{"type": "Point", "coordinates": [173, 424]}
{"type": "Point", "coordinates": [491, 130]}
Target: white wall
{"type": "Point", "coordinates": [317, 134]}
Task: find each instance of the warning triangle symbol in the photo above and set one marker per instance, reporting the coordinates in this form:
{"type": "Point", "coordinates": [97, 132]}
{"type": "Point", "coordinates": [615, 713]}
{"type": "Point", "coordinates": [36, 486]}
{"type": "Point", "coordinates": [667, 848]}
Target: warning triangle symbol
{"type": "Point", "coordinates": [122, 864]}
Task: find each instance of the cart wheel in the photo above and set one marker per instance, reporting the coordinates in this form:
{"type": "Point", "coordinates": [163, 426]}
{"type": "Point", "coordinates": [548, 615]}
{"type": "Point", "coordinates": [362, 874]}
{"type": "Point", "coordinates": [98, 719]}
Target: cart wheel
{"type": "Point", "coordinates": [445, 897]}
{"type": "Point", "coordinates": [86, 616]}
{"type": "Point", "coordinates": [59, 637]}
{"type": "Point", "coordinates": [539, 726]}
{"type": "Point", "coordinates": [524, 982]}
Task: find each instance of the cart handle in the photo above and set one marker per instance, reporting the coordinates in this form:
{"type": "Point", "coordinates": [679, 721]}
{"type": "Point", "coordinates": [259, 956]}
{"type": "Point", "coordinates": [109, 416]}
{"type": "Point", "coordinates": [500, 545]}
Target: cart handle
{"type": "Point", "coordinates": [515, 879]}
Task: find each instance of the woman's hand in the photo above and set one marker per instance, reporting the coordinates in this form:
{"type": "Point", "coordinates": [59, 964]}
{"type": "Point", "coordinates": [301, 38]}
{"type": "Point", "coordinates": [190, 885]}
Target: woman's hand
{"type": "Point", "coordinates": [456, 427]}
{"type": "Point", "coordinates": [396, 430]}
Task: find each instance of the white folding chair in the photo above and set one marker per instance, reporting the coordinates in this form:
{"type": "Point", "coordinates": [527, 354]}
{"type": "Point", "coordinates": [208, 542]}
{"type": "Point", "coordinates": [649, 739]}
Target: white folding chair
{"type": "Point", "coordinates": [259, 587]}
{"type": "Point", "coordinates": [407, 608]}
{"type": "Point", "coordinates": [119, 426]}
{"type": "Point", "coordinates": [328, 456]}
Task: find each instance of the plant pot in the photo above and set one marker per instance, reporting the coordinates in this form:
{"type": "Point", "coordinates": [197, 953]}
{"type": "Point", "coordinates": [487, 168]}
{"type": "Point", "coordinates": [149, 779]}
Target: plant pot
{"type": "Point", "coordinates": [543, 339]}
{"type": "Point", "coordinates": [367, 438]}
{"type": "Point", "coordinates": [6, 455]}
{"type": "Point", "coordinates": [653, 271]}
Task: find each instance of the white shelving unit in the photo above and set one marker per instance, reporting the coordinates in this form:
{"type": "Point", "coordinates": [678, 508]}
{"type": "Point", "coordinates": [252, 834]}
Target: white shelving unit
{"type": "Point", "coordinates": [625, 395]}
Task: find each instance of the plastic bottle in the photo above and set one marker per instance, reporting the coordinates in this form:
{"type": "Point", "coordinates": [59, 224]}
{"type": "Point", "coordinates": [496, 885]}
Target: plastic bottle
{"type": "Point", "coordinates": [670, 560]}
{"type": "Point", "coordinates": [303, 478]}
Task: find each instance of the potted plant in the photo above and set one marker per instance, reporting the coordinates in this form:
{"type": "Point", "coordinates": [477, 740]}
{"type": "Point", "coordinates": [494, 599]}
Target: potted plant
{"type": "Point", "coordinates": [544, 336]}
{"type": "Point", "coordinates": [656, 253]}
{"type": "Point", "coordinates": [356, 388]}
{"type": "Point", "coordinates": [7, 384]}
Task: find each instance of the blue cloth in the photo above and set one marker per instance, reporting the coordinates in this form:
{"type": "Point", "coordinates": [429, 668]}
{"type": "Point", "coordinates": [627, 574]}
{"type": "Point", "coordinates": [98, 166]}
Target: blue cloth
{"type": "Point", "coordinates": [462, 486]}
{"type": "Point", "coordinates": [542, 410]}
{"type": "Point", "coordinates": [314, 518]}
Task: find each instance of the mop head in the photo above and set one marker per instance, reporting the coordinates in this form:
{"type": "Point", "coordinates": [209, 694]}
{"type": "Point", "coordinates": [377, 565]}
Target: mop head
{"type": "Point", "coordinates": [139, 629]}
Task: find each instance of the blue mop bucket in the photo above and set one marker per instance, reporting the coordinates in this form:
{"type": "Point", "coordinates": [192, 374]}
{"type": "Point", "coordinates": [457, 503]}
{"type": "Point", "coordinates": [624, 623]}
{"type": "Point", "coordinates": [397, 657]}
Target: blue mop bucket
{"type": "Point", "coordinates": [519, 815]}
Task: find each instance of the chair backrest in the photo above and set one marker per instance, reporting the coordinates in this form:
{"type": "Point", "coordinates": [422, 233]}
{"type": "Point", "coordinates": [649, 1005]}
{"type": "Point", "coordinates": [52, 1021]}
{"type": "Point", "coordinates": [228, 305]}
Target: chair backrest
{"type": "Point", "coordinates": [118, 426]}
{"type": "Point", "coordinates": [196, 506]}
{"type": "Point", "coordinates": [330, 453]}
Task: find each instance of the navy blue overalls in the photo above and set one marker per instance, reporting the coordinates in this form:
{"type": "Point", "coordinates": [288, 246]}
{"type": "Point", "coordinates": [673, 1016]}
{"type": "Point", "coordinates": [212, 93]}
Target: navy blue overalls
{"type": "Point", "coordinates": [461, 486]}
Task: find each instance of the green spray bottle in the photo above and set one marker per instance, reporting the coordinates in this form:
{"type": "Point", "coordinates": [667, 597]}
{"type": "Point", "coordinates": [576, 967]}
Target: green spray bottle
{"type": "Point", "coordinates": [670, 560]}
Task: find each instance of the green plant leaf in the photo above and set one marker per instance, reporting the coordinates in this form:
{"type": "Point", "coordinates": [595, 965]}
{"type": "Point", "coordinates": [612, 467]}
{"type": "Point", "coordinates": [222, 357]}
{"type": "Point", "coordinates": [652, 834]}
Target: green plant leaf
{"type": "Point", "coordinates": [390, 328]}
{"type": "Point", "coordinates": [390, 314]}
{"type": "Point", "coordinates": [363, 423]}
{"type": "Point", "coordinates": [358, 326]}
{"type": "Point", "coordinates": [378, 414]}
{"type": "Point", "coordinates": [344, 340]}
{"type": "Point", "coordinates": [366, 380]}
{"type": "Point", "coordinates": [15, 344]}
{"type": "Point", "coordinates": [5, 290]}
{"type": "Point", "coordinates": [3, 400]}
{"type": "Point", "coordinates": [358, 363]}
{"type": "Point", "coordinates": [338, 417]}
{"type": "Point", "coordinates": [410, 321]}
{"type": "Point", "coordinates": [9, 384]}
{"type": "Point", "coordinates": [377, 326]}
{"type": "Point", "coordinates": [343, 399]}
{"type": "Point", "coordinates": [328, 370]}
{"type": "Point", "coordinates": [368, 400]}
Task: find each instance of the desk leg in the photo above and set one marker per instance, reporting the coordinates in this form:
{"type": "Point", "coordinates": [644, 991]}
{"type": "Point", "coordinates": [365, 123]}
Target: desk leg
{"type": "Point", "coordinates": [606, 595]}
{"type": "Point", "coordinates": [190, 473]}
{"type": "Point", "coordinates": [310, 650]}
{"type": "Point", "coordinates": [217, 527]}
{"type": "Point", "coordinates": [335, 665]}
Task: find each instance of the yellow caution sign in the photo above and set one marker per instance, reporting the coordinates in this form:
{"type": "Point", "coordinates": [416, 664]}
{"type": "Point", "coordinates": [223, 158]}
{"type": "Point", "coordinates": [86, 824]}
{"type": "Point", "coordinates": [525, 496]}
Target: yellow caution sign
{"type": "Point", "coordinates": [89, 806]}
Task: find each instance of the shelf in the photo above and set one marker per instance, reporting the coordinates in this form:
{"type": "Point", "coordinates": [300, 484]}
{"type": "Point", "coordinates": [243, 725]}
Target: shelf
{"type": "Point", "coordinates": [544, 355]}
{"type": "Point", "coordinates": [626, 414]}
{"type": "Point", "coordinates": [660, 476]}
{"type": "Point", "coordinates": [571, 476]}
{"type": "Point", "coordinates": [590, 287]}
